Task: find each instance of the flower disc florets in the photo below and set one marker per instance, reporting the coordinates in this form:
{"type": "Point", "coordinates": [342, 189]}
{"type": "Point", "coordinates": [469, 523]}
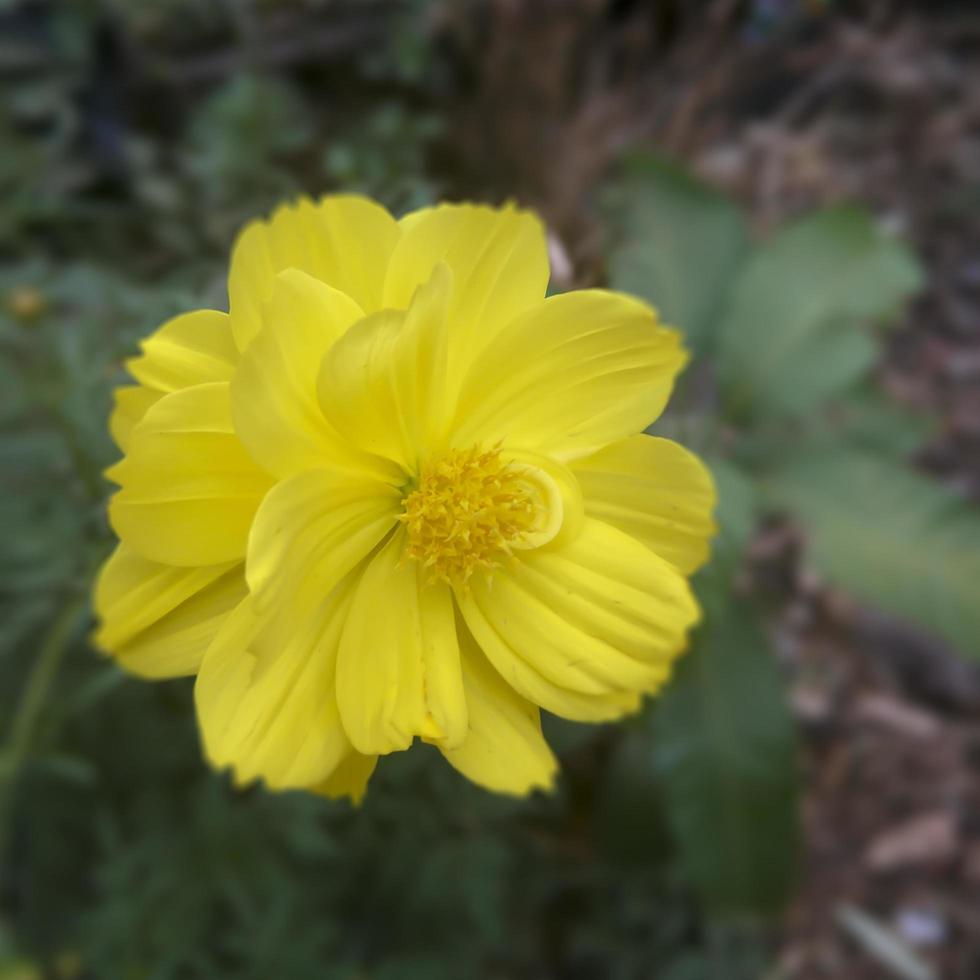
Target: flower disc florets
{"type": "Point", "coordinates": [469, 510]}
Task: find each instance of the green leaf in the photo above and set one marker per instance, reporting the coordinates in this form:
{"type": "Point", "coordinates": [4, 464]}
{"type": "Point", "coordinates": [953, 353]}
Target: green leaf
{"type": "Point", "coordinates": [865, 417]}
{"type": "Point", "coordinates": [736, 511]}
{"type": "Point", "coordinates": [892, 537]}
{"type": "Point", "coordinates": [792, 334]}
{"type": "Point", "coordinates": [677, 243]}
{"type": "Point", "coordinates": [629, 812]}
{"type": "Point", "coordinates": [725, 747]}
{"type": "Point", "coordinates": [872, 420]}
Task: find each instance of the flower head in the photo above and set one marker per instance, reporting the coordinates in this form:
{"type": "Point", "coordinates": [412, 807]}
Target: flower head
{"type": "Point", "coordinates": [397, 493]}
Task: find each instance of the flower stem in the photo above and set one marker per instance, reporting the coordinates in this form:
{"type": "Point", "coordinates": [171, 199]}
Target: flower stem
{"type": "Point", "coordinates": [25, 722]}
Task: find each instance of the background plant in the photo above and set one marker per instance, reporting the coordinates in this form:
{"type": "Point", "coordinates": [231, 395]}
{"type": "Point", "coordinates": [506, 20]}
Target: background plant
{"type": "Point", "coordinates": [781, 397]}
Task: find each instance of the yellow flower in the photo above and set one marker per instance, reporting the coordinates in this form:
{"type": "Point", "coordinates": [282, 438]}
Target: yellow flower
{"type": "Point", "coordinates": [397, 493]}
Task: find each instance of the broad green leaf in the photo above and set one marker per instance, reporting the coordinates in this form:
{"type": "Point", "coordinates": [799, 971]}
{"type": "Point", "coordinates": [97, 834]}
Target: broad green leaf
{"type": "Point", "coordinates": [793, 333]}
{"type": "Point", "coordinates": [677, 243]}
{"type": "Point", "coordinates": [865, 417]}
{"type": "Point", "coordinates": [872, 420]}
{"type": "Point", "coordinates": [725, 747]}
{"type": "Point", "coordinates": [824, 363]}
{"type": "Point", "coordinates": [892, 537]}
{"type": "Point", "coordinates": [736, 512]}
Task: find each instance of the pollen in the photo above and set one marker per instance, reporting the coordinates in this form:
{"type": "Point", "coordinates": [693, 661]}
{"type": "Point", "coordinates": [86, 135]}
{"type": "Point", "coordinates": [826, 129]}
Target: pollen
{"type": "Point", "coordinates": [470, 510]}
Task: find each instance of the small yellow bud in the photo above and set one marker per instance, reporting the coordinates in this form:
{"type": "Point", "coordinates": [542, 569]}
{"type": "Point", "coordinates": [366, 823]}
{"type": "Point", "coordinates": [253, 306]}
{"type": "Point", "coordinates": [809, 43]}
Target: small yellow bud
{"type": "Point", "coordinates": [26, 303]}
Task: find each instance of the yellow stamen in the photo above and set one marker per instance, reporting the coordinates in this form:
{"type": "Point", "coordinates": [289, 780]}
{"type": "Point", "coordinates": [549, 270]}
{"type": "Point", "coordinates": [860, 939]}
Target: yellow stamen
{"type": "Point", "coordinates": [469, 511]}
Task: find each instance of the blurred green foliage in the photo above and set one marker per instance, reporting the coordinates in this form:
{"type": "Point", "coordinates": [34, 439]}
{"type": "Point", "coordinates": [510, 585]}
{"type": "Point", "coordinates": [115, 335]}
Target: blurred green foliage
{"type": "Point", "coordinates": [672, 836]}
{"type": "Point", "coordinates": [787, 336]}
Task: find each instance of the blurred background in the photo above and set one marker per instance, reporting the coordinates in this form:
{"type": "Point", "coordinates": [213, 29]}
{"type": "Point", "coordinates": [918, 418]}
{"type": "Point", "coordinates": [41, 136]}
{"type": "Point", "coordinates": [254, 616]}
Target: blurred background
{"type": "Point", "coordinates": [796, 185]}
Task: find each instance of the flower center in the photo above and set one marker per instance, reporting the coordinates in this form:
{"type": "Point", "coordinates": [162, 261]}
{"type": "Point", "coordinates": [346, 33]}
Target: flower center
{"type": "Point", "coordinates": [471, 509]}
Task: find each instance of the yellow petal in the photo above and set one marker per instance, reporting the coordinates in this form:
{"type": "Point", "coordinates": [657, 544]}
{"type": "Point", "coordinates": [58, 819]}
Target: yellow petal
{"type": "Point", "coordinates": [274, 393]}
{"type": "Point", "coordinates": [223, 681]}
{"type": "Point", "coordinates": [131, 403]}
{"type": "Point", "coordinates": [504, 749]}
{"type": "Point", "coordinates": [265, 696]}
{"type": "Point", "coordinates": [383, 384]}
{"type": "Point", "coordinates": [582, 628]}
{"type": "Point", "coordinates": [310, 531]}
{"type": "Point", "coordinates": [191, 349]}
{"type": "Point", "coordinates": [344, 241]}
{"type": "Point", "coordinates": [132, 593]}
{"type": "Point", "coordinates": [189, 489]}
{"type": "Point", "coordinates": [656, 491]}
{"type": "Point", "coordinates": [157, 620]}
{"type": "Point", "coordinates": [525, 679]}
{"type": "Point", "coordinates": [498, 258]}
{"type": "Point", "coordinates": [570, 375]}
{"type": "Point", "coordinates": [398, 672]}
{"type": "Point", "coordinates": [194, 348]}
{"type": "Point", "coordinates": [175, 645]}
{"type": "Point", "coordinates": [350, 778]}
